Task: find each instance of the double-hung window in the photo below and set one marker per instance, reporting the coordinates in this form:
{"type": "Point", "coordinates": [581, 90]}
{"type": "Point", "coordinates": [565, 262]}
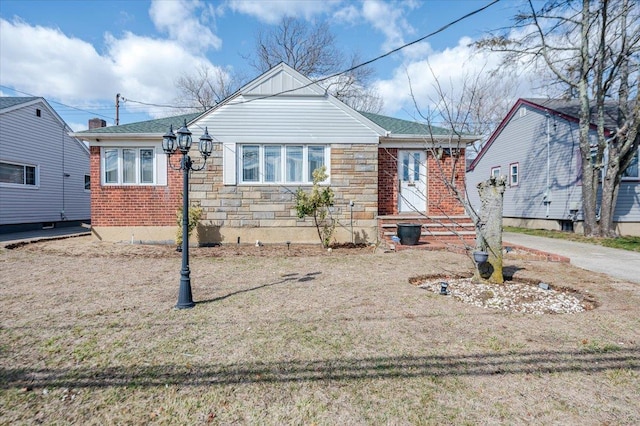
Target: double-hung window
{"type": "Point", "coordinates": [631, 172]}
{"type": "Point", "coordinates": [19, 174]}
{"type": "Point", "coordinates": [514, 174]}
{"type": "Point", "coordinates": [281, 163]}
{"type": "Point", "coordinates": [128, 166]}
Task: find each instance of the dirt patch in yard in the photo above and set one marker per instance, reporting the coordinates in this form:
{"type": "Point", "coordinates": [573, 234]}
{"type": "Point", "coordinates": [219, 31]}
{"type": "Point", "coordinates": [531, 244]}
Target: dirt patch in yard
{"type": "Point", "coordinates": [302, 335]}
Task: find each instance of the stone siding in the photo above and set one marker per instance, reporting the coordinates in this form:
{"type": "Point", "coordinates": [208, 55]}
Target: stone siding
{"type": "Point", "coordinates": [267, 212]}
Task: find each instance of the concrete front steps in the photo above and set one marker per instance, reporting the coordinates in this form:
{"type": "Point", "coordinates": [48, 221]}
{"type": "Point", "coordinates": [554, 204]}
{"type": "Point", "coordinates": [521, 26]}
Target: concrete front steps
{"type": "Point", "coordinates": [437, 233]}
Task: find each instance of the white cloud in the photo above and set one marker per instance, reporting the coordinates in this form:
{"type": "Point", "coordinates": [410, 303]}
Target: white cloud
{"type": "Point", "coordinates": [43, 60]}
{"type": "Point", "coordinates": [272, 11]}
{"type": "Point", "coordinates": [350, 14]}
{"type": "Point", "coordinates": [186, 23]}
{"type": "Point", "coordinates": [389, 19]}
{"type": "Point", "coordinates": [46, 62]}
{"type": "Point", "coordinates": [450, 66]}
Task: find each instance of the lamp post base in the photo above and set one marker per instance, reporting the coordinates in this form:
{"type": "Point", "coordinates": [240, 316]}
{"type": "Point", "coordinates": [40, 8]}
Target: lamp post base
{"type": "Point", "coordinates": [185, 300]}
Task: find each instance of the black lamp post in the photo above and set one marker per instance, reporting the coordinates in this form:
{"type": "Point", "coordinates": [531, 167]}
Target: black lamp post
{"type": "Point", "coordinates": [182, 143]}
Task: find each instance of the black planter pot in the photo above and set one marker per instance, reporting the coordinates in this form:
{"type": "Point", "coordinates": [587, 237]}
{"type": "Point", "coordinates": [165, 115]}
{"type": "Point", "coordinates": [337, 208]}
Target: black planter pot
{"type": "Point", "coordinates": [409, 233]}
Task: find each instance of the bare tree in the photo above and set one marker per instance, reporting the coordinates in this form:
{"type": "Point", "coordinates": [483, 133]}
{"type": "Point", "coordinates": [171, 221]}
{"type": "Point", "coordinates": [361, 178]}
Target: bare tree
{"type": "Point", "coordinates": [205, 87]}
{"type": "Point", "coordinates": [311, 50]}
{"type": "Point", "coordinates": [476, 104]}
{"type": "Point", "coordinates": [462, 110]}
{"type": "Point", "coordinates": [592, 50]}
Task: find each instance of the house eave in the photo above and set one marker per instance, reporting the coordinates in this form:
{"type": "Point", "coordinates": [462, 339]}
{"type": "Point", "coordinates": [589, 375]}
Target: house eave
{"type": "Point", "coordinates": [435, 140]}
{"type": "Point", "coordinates": [116, 137]}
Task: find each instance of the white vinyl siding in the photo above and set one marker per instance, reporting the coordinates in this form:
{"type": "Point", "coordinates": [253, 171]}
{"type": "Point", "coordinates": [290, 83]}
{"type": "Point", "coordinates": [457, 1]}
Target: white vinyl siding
{"type": "Point", "coordinates": [279, 163]}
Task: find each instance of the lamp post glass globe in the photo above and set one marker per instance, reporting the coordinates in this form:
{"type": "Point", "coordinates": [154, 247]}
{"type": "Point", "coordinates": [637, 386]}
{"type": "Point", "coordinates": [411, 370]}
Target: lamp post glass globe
{"type": "Point", "coordinates": [169, 141]}
{"type": "Point", "coordinates": [170, 144]}
{"type": "Point", "coordinates": [184, 138]}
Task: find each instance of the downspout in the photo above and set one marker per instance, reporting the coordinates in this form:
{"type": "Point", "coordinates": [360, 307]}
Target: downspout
{"type": "Point", "coordinates": [547, 193]}
{"type": "Point", "coordinates": [64, 178]}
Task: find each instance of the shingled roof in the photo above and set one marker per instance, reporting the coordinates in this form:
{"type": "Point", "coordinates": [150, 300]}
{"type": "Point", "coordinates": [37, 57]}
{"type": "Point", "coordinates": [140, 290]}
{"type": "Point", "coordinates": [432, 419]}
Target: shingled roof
{"type": "Point", "coordinates": [403, 127]}
{"type": "Point", "coordinates": [160, 125]}
{"type": "Point", "coordinates": [394, 125]}
{"type": "Point", "coordinates": [10, 101]}
{"type": "Point", "coordinates": [571, 108]}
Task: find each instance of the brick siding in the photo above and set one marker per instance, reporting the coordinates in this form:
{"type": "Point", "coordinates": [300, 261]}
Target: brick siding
{"type": "Point", "coordinates": [440, 199]}
{"type": "Point", "coordinates": [124, 205]}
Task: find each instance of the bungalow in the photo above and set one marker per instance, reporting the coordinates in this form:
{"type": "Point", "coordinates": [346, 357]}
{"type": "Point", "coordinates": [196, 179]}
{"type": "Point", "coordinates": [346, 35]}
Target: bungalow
{"type": "Point", "coordinates": [536, 146]}
{"type": "Point", "coordinates": [269, 137]}
{"type": "Point", "coordinates": [44, 172]}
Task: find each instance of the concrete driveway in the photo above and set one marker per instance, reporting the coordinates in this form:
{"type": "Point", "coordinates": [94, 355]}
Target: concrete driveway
{"type": "Point", "coordinates": [43, 234]}
{"type": "Point", "coordinates": [620, 264]}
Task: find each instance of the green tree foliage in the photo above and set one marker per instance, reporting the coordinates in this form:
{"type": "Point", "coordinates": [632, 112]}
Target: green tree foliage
{"type": "Point", "coordinates": [317, 204]}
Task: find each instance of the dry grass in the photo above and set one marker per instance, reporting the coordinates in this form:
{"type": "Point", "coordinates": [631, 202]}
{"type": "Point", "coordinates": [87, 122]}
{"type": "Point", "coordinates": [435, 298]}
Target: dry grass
{"type": "Point", "coordinates": [89, 336]}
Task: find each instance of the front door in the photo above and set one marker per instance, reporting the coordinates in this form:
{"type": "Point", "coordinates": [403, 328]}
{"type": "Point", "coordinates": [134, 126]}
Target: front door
{"type": "Point", "coordinates": [412, 172]}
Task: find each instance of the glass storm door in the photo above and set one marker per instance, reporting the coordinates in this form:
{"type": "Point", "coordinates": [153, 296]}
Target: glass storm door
{"type": "Point", "coordinates": [412, 172]}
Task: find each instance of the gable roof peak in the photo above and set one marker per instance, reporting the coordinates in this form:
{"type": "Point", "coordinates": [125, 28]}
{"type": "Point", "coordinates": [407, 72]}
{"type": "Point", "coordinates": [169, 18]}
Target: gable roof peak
{"type": "Point", "coordinates": [280, 80]}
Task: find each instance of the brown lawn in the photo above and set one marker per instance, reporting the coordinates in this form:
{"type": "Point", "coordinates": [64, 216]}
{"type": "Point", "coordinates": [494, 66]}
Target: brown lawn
{"type": "Point", "coordinates": [88, 335]}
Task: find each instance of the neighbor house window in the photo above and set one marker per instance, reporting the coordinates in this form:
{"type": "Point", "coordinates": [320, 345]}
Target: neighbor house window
{"type": "Point", "coordinates": [281, 163]}
{"type": "Point", "coordinates": [87, 182]}
{"type": "Point", "coordinates": [514, 174]}
{"type": "Point", "coordinates": [495, 172]}
{"type": "Point", "coordinates": [631, 172]}
{"type": "Point", "coordinates": [128, 166]}
{"type": "Point", "coordinates": [18, 174]}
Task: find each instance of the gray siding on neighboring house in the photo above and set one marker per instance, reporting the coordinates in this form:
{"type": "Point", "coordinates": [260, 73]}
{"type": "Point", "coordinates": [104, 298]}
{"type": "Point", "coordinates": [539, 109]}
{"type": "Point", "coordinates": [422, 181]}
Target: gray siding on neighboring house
{"type": "Point", "coordinates": [62, 163]}
{"type": "Point", "coordinates": [527, 139]}
{"type": "Point", "coordinates": [628, 205]}
{"type": "Point", "coordinates": [546, 149]}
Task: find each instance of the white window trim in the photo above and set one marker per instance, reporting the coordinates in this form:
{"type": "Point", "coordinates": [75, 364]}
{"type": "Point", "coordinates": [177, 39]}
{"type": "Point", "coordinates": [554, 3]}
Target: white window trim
{"type": "Point", "coordinates": [236, 151]}
{"type": "Point", "coordinates": [23, 185]}
{"type": "Point", "coordinates": [517, 174]}
{"type": "Point", "coordinates": [493, 170]}
{"type": "Point", "coordinates": [159, 165]}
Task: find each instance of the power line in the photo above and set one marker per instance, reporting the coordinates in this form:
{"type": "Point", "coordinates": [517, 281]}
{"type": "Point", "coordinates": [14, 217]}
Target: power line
{"type": "Point", "coordinates": [377, 58]}
{"type": "Point", "coordinates": [58, 103]}
{"type": "Point", "coordinates": [384, 55]}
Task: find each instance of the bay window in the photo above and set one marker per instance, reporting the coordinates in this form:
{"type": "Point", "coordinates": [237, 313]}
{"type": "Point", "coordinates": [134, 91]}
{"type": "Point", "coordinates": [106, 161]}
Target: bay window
{"type": "Point", "coordinates": [281, 163]}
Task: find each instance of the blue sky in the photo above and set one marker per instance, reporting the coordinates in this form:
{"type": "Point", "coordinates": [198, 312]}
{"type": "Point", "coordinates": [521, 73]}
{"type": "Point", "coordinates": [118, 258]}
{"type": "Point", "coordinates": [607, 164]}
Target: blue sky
{"type": "Point", "coordinates": [79, 54]}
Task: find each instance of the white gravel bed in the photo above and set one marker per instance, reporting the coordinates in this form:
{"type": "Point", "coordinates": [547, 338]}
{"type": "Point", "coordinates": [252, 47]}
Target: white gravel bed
{"type": "Point", "coordinates": [512, 297]}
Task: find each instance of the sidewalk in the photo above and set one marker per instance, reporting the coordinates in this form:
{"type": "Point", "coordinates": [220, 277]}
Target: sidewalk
{"type": "Point", "coordinates": [620, 264]}
{"type": "Point", "coordinates": [42, 234]}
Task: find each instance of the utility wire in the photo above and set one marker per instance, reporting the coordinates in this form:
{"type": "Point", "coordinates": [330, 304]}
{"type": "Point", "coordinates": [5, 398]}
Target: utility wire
{"type": "Point", "coordinates": [59, 103]}
{"type": "Point", "coordinates": [377, 58]}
